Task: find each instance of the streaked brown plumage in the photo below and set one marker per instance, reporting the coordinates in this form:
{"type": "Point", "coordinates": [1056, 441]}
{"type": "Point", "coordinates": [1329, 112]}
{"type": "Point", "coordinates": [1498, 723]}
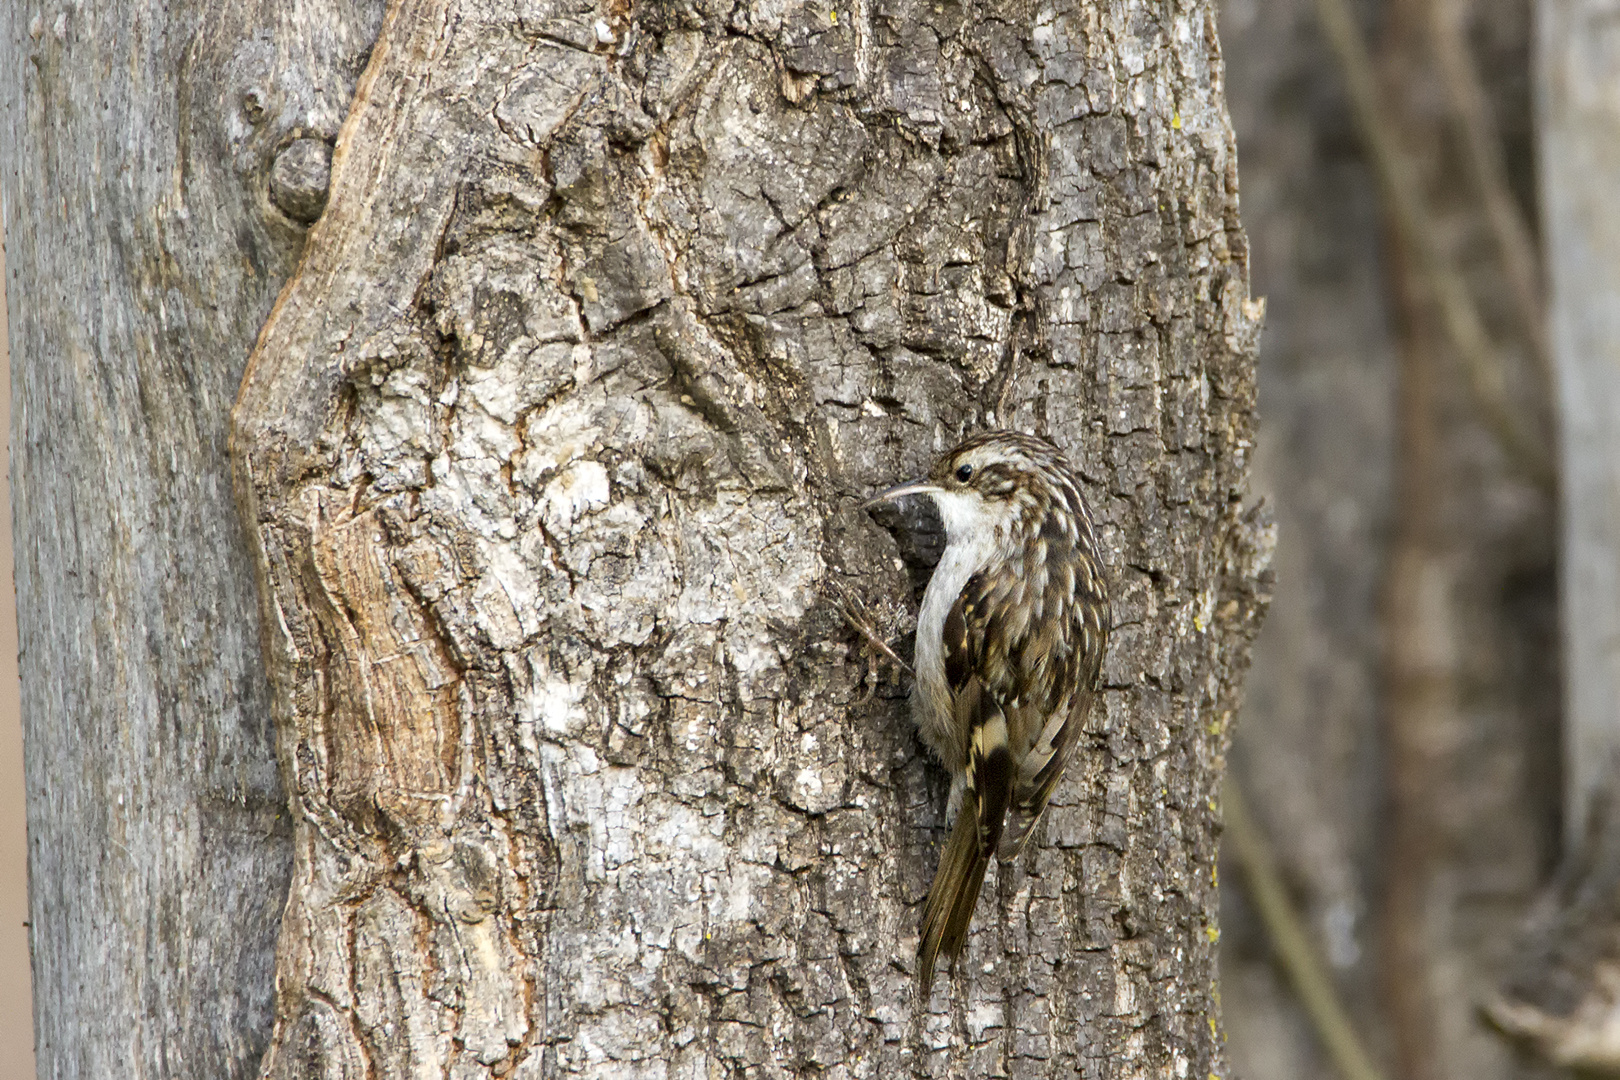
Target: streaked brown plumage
{"type": "Point", "coordinates": [1010, 641]}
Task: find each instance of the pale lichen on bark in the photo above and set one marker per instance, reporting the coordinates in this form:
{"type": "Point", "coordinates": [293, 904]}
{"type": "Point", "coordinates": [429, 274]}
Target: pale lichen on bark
{"type": "Point", "coordinates": [550, 448]}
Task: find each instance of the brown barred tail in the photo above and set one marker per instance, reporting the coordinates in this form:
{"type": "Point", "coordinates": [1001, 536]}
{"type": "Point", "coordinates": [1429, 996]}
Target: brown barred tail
{"type": "Point", "coordinates": [954, 894]}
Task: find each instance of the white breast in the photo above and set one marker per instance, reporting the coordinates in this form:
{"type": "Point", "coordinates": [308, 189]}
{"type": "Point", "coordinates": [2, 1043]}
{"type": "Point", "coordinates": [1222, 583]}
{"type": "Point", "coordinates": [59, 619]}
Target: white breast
{"type": "Point", "coordinates": [970, 542]}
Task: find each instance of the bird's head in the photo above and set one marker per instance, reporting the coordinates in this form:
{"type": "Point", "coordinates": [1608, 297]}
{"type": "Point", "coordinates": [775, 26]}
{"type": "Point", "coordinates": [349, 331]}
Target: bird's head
{"type": "Point", "coordinates": [1002, 481]}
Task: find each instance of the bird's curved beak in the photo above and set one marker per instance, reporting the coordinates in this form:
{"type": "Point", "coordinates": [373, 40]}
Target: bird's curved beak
{"type": "Point", "coordinates": [910, 487]}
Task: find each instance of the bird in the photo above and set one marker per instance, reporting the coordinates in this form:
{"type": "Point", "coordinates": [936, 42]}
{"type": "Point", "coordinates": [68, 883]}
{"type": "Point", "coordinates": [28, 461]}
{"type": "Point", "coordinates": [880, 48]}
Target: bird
{"type": "Point", "coordinates": [1009, 650]}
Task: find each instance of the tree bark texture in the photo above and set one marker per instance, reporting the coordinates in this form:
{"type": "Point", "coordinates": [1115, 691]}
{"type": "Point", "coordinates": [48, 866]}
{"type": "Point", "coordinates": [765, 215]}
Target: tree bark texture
{"type": "Point", "coordinates": [549, 451]}
{"type": "Point", "coordinates": [136, 145]}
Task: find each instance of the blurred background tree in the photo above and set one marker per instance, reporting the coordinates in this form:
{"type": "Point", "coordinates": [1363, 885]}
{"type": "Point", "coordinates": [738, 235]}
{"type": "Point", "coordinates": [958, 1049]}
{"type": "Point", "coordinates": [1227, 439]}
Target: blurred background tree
{"type": "Point", "coordinates": [1428, 749]}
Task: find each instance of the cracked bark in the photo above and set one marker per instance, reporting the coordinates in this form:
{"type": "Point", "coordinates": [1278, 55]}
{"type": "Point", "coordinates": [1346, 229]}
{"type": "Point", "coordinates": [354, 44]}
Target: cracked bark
{"type": "Point", "coordinates": [548, 451]}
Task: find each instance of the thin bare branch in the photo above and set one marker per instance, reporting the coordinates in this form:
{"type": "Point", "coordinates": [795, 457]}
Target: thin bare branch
{"type": "Point", "coordinates": [1486, 161]}
{"type": "Point", "coordinates": [1287, 932]}
{"type": "Point", "coordinates": [1403, 197]}
{"type": "Point", "coordinates": [855, 612]}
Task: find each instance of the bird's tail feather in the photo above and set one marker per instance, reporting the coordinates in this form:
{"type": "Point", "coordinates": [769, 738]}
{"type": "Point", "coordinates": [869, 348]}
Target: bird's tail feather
{"type": "Point", "coordinates": [954, 894]}
{"type": "Point", "coordinates": [1020, 820]}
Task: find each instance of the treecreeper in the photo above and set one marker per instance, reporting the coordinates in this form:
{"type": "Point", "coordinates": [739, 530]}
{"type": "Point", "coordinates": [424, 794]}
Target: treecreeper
{"type": "Point", "coordinates": [1010, 641]}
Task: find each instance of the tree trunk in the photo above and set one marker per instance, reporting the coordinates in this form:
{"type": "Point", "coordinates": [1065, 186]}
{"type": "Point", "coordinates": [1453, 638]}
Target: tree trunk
{"type": "Point", "coordinates": [1563, 993]}
{"type": "Point", "coordinates": [551, 474]}
{"type": "Point", "coordinates": [1580, 164]}
{"type": "Point", "coordinates": [1306, 747]}
{"type": "Point", "coordinates": [136, 145]}
{"type": "Point", "coordinates": [548, 451]}
{"type": "Point", "coordinates": [1399, 736]}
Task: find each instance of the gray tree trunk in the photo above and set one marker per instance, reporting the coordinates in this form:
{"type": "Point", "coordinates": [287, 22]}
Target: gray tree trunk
{"type": "Point", "coordinates": [136, 145]}
{"type": "Point", "coordinates": [548, 451]}
{"type": "Point", "coordinates": [1578, 61]}
{"type": "Point", "coordinates": [1563, 992]}
{"type": "Point", "coordinates": [1399, 735]}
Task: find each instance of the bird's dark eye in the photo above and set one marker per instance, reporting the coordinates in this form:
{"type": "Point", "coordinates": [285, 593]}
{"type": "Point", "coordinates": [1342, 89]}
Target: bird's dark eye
{"type": "Point", "coordinates": [964, 473]}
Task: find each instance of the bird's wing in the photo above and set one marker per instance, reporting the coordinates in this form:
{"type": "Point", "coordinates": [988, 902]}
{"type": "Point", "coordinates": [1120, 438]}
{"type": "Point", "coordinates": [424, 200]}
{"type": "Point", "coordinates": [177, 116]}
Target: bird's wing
{"type": "Point", "coordinates": [978, 701]}
{"type": "Point", "coordinates": [1020, 674]}
{"type": "Point", "coordinates": [1031, 631]}
{"type": "Point", "coordinates": [1061, 657]}
{"type": "Point", "coordinates": [991, 774]}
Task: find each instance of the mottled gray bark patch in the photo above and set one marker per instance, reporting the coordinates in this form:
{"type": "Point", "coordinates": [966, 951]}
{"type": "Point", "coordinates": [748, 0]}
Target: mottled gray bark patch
{"type": "Point", "coordinates": [550, 451]}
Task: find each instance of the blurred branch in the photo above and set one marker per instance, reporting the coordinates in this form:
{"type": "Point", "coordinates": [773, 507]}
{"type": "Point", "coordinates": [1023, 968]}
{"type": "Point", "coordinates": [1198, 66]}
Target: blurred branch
{"type": "Point", "coordinates": [1287, 931]}
{"type": "Point", "coordinates": [1486, 162]}
{"type": "Point", "coordinates": [1444, 283]}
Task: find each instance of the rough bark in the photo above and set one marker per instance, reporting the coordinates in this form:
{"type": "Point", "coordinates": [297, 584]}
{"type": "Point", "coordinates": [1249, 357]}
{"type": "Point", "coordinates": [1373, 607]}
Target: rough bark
{"type": "Point", "coordinates": [549, 450]}
{"type": "Point", "coordinates": [690, 278]}
{"type": "Point", "coordinates": [136, 142]}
